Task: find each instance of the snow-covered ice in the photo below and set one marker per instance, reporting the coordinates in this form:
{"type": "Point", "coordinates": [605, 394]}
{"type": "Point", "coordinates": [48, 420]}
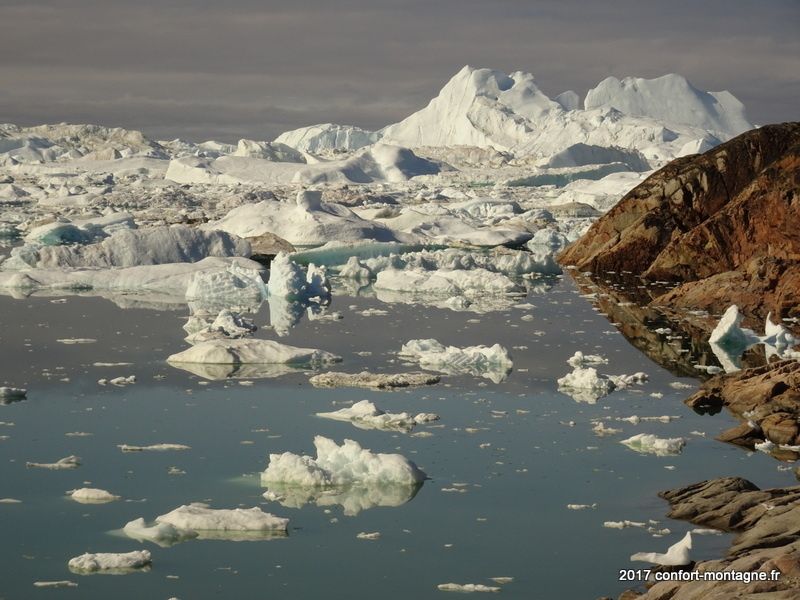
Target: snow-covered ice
{"type": "Point", "coordinates": [676, 555]}
{"type": "Point", "coordinates": [223, 523]}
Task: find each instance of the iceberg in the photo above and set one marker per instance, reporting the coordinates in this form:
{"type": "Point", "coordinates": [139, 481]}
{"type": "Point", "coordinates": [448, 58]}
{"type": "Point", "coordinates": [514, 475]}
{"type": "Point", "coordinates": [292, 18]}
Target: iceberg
{"type": "Point", "coordinates": [337, 465]}
{"type": "Point", "coordinates": [646, 443]}
{"type": "Point", "coordinates": [161, 534]}
{"type": "Point", "coordinates": [328, 138]}
{"type": "Point", "coordinates": [92, 496]}
{"type": "Point", "coordinates": [251, 351]}
{"type": "Point", "coordinates": [584, 384]}
{"type": "Point", "coordinates": [231, 524]}
{"type": "Point", "coordinates": [490, 362]}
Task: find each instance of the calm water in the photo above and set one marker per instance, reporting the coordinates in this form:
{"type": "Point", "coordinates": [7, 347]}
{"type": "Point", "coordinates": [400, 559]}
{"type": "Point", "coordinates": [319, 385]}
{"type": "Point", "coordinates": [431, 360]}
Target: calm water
{"type": "Point", "coordinates": [521, 467]}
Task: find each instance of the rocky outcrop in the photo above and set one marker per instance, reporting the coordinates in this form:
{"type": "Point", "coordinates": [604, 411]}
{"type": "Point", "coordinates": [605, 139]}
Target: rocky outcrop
{"type": "Point", "coordinates": [768, 527]}
{"type": "Point", "coordinates": [724, 224]}
{"type": "Point", "coordinates": [767, 399]}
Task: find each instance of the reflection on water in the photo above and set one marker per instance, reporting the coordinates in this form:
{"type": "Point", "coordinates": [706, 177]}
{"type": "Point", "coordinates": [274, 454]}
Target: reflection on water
{"type": "Point", "coordinates": [353, 499]}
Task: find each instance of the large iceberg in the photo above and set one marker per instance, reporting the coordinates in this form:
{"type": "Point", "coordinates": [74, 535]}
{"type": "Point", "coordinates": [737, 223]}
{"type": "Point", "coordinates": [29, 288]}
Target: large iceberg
{"type": "Point", "coordinates": [328, 138]}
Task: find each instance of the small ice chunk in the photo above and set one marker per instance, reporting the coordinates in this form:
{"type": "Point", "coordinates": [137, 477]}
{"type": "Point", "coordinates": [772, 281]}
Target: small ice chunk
{"type": "Point", "coordinates": [676, 555]}
{"type": "Point", "coordinates": [579, 359]}
{"type": "Point", "coordinates": [92, 496]}
{"type": "Point", "coordinates": [70, 341]}
{"type": "Point", "coordinates": [467, 587]}
{"type": "Point", "coordinates": [650, 444]}
{"type": "Point", "coordinates": [12, 394]}
{"type": "Point", "coordinates": [366, 415]}
{"type": "Point", "coordinates": [624, 524]}
{"type": "Point", "coordinates": [153, 447]}
{"type": "Point", "coordinates": [375, 535]}
{"type": "Point", "coordinates": [68, 462]}
{"type": "Point", "coordinates": [581, 506]}
{"type": "Point", "coordinates": [55, 584]}
{"type": "Point", "coordinates": [119, 563]}
{"type": "Point", "coordinates": [766, 446]}
{"type": "Point", "coordinates": [585, 385]}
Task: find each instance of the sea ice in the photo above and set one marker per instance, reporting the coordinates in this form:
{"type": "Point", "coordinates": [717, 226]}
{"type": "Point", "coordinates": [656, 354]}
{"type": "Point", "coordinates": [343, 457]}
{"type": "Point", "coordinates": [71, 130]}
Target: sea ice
{"type": "Point", "coordinates": [366, 415]}
{"type": "Point", "coordinates": [676, 555]}
{"type": "Point", "coordinates": [467, 587]}
{"type": "Point", "coordinates": [340, 465]}
{"type": "Point", "coordinates": [252, 351]}
{"type": "Point", "coordinates": [585, 385]}
{"type": "Point", "coordinates": [110, 562]}
{"type": "Point", "coordinates": [646, 443]}
{"type": "Point", "coordinates": [490, 362]}
{"type": "Point", "coordinates": [92, 496]}
{"type": "Point", "coordinates": [222, 523]}
{"type": "Point", "coordinates": [153, 447]}
{"type": "Point", "coordinates": [68, 462]}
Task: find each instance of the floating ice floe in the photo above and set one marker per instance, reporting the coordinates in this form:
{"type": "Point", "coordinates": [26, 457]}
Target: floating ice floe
{"type": "Point", "coordinates": [222, 523]}
{"type": "Point", "coordinates": [366, 415]}
{"type": "Point", "coordinates": [92, 496]}
{"type": "Point", "coordinates": [238, 284]}
{"type": "Point", "coordinates": [729, 340]}
{"type": "Point", "coordinates": [676, 555]}
{"type": "Point", "coordinates": [68, 462]}
{"type": "Point", "coordinates": [375, 535]}
{"type": "Point", "coordinates": [227, 324]}
{"type": "Point", "coordinates": [121, 381]}
{"type": "Point", "coordinates": [251, 351]}
{"type": "Point", "coordinates": [378, 381]}
{"type": "Point", "coordinates": [490, 362]}
{"type": "Point", "coordinates": [55, 584]}
{"type": "Point", "coordinates": [110, 562]}
{"type": "Point", "coordinates": [647, 443]}
{"type": "Point", "coordinates": [153, 447]}
{"type": "Point", "coordinates": [340, 465]}
{"type": "Point", "coordinates": [161, 534]}
{"type": "Point", "coordinates": [12, 394]}
{"type": "Point", "coordinates": [467, 587]}
{"type": "Point", "coordinates": [579, 359]}
{"type": "Point", "coordinates": [585, 384]}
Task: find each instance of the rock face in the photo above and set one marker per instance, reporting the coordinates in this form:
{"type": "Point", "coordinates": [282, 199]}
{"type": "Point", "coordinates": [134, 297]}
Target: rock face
{"type": "Point", "coordinates": [767, 397]}
{"type": "Point", "coordinates": [720, 224]}
{"type": "Point", "coordinates": [768, 527]}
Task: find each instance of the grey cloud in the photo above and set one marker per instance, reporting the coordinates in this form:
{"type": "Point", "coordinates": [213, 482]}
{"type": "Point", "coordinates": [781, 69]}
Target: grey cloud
{"type": "Point", "coordinates": [251, 68]}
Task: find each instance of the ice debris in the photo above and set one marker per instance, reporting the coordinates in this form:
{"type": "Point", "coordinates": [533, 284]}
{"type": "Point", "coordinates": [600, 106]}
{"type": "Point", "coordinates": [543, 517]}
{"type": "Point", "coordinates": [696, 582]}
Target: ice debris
{"type": "Point", "coordinates": [153, 447]}
{"type": "Point", "coordinates": [222, 523]}
{"type": "Point", "coordinates": [467, 587]}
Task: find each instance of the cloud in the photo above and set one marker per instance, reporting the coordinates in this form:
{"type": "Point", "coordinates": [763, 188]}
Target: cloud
{"type": "Point", "coordinates": [252, 68]}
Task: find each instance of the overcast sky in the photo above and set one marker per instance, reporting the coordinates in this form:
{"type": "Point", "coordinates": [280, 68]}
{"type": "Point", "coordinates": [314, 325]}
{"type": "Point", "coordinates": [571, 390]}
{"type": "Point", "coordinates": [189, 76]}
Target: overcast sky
{"type": "Point", "coordinates": [226, 69]}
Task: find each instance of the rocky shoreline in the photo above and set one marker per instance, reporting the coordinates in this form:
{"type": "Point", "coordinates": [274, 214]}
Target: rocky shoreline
{"type": "Point", "coordinates": [714, 230]}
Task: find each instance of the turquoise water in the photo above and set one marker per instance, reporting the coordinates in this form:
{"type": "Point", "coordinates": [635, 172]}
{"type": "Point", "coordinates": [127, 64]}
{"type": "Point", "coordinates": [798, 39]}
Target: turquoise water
{"type": "Point", "coordinates": [509, 444]}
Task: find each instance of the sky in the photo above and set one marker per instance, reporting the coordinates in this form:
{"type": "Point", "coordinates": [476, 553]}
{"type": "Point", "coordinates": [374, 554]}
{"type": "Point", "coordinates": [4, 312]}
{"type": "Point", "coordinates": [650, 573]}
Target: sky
{"type": "Point", "coordinates": [203, 69]}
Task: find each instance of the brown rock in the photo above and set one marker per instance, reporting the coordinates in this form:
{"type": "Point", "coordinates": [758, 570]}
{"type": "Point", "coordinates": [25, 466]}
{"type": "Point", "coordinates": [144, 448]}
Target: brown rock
{"type": "Point", "coordinates": [725, 224]}
{"type": "Point", "coordinates": [266, 246]}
